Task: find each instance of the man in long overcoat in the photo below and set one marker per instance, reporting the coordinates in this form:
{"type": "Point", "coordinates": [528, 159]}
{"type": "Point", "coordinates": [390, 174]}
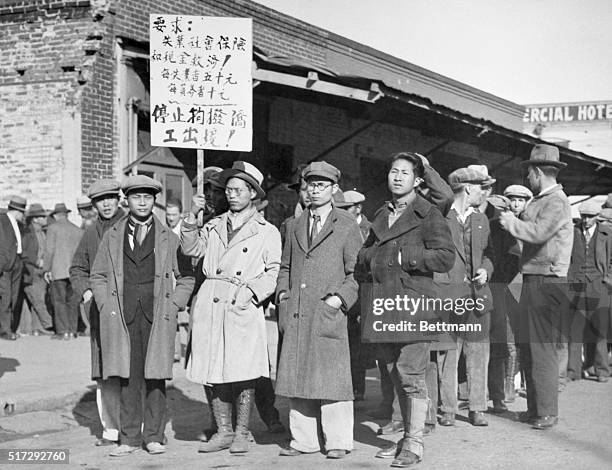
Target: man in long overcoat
{"type": "Point", "coordinates": [240, 254]}
{"type": "Point", "coordinates": [132, 280]}
{"type": "Point", "coordinates": [104, 195]}
{"type": "Point", "coordinates": [409, 241]}
{"type": "Point", "coordinates": [315, 289]}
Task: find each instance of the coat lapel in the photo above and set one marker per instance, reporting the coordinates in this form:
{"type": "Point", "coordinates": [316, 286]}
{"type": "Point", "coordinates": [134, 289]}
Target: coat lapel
{"type": "Point", "coordinates": [300, 228]}
{"type": "Point", "coordinates": [453, 224]}
{"type": "Point", "coordinates": [249, 229]}
{"type": "Point", "coordinates": [115, 247]}
{"type": "Point", "coordinates": [161, 253]}
{"type": "Point", "coordinates": [326, 230]}
{"type": "Point", "coordinates": [221, 229]}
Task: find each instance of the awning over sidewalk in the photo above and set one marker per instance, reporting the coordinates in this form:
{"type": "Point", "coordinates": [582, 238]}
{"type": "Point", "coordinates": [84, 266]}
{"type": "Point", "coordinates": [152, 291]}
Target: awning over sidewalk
{"type": "Point", "coordinates": [374, 100]}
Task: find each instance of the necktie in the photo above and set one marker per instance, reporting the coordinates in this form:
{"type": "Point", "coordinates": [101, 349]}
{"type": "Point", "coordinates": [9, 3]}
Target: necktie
{"type": "Point", "coordinates": [314, 230]}
{"type": "Point", "coordinates": [587, 236]}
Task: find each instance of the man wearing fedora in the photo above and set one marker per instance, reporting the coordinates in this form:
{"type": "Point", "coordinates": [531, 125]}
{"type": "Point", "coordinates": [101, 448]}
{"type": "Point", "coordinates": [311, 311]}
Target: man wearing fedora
{"type": "Point", "coordinates": [240, 254]}
{"type": "Point", "coordinates": [316, 288]}
{"type": "Point", "coordinates": [590, 276]}
{"type": "Point", "coordinates": [35, 287]}
{"type": "Point", "coordinates": [139, 283]}
{"type": "Point", "coordinates": [63, 237]}
{"type": "Point", "coordinates": [11, 266]}
{"type": "Point", "coordinates": [104, 194]}
{"type": "Point", "coordinates": [86, 211]}
{"type": "Point", "coordinates": [546, 230]}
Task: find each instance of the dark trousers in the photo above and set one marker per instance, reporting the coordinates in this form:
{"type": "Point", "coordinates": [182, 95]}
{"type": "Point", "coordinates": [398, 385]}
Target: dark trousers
{"type": "Point", "coordinates": [358, 370]}
{"type": "Point", "coordinates": [64, 306]}
{"type": "Point", "coordinates": [407, 366]}
{"type": "Point", "coordinates": [544, 310]}
{"type": "Point", "coordinates": [264, 401]}
{"type": "Point", "coordinates": [589, 326]}
{"type": "Point", "coordinates": [36, 293]}
{"type": "Point", "coordinates": [141, 421]}
{"type": "Point", "coordinates": [10, 287]}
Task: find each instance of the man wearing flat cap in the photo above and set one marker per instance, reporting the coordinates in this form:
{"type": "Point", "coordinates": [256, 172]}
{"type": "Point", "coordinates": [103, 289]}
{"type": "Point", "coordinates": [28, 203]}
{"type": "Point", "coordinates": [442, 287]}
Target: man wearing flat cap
{"type": "Point", "coordinates": [104, 195]}
{"type": "Point", "coordinates": [316, 288]}
{"type": "Point", "coordinates": [590, 277]}
{"type": "Point", "coordinates": [63, 237]}
{"type": "Point", "coordinates": [546, 230]}
{"type": "Point", "coordinates": [86, 211]}
{"type": "Point", "coordinates": [240, 254]}
{"type": "Point", "coordinates": [139, 285]}
{"type": "Point", "coordinates": [11, 266]}
{"type": "Point", "coordinates": [409, 241]}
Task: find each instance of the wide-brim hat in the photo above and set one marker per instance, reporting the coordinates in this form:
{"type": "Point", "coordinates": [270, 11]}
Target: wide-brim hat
{"type": "Point", "coordinates": [246, 172]}
{"type": "Point", "coordinates": [210, 175]}
{"type": "Point", "coordinates": [36, 210]}
{"type": "Point", "coordinates": [17, 203]}
{"type": "Point", "coordinates": [544, 155]}
{"type": "Point", "coordinates": [141, 182]}
{"type": "Point", "coordinates": [60, 207]}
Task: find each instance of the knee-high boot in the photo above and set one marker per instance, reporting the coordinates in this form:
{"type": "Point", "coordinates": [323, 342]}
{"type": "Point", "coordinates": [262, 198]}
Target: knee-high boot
{"type": "Point", "coordinates": [244, 398]}
{"type": "Point", "coordinates": [415, 412]}
{"type": "Point", "coordinates": [222, 411]}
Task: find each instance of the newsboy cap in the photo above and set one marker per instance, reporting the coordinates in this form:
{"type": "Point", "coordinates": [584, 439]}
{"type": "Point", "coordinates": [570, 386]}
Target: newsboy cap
{"type": "Point", "coordinates": [351, 198]}
{"type": "Point", "coordinates": [466, 175]}
{"type": "Point", "coordinates": [485, 171]}
{"type": "Point", "coordinates": [17, 203]}
{"type": "Point", "coordinates": [518, 190]}
{"type": "Point", "coordinates": [544, 155]}
{"type": "Point", "coordinates": [141, 182]}
{"type": "Point", "coordinates": [323, 170]}
{"type": "Point", "coordinates": [589, 208]}
{"type": "Point", "coordinates": [83, 202]}
{"type": "Point", "coordinates": [608, 203]}
{"type": "Point", "coordinates": [103, 187]}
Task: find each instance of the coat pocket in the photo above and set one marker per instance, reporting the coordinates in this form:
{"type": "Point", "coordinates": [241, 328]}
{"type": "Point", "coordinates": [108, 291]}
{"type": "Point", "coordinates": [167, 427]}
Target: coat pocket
{"type": "Point", "coordinates": [330, 322]}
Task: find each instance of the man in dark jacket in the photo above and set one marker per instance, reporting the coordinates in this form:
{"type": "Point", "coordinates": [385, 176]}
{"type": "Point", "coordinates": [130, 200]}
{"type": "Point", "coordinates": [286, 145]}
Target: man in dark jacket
{"type": "Point", "coordinates": [11, 267]}
{"type": "Point", "coordinates": [590, 276]}
{"type": "Point", "coordinates": [104, 195]}
{"type": "Point", "coordinates": [409, 240]}
{"type": "Point", "coordinates": [315, 289]}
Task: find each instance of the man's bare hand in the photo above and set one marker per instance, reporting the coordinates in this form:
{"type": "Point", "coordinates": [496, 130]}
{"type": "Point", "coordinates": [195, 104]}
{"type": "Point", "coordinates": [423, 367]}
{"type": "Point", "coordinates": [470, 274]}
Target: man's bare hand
{"type": "Point", "coordinates": [198, 204]}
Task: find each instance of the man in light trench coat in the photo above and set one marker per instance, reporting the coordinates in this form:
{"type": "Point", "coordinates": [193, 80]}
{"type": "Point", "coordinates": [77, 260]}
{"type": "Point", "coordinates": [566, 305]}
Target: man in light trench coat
{"type": "Point", "coordinates": [315, 290]}
{"type": "Point", "coordinates": [228, 343]}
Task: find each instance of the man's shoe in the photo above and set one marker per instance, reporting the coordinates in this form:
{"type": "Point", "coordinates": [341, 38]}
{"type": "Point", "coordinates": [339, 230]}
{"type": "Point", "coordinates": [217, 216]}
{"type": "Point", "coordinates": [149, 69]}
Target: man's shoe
{"type": "Point", "coordinates": [405, 459]}
{"type": "Point", "coordinates": [429, 429]}
{"type": "Point", "coordinates": [155, 448]}
{"type": "Point", "coordinates": [391, 427]}
{"type": "Point", "coordinates": [43, 332]}
{"type": "Point", "coordinates": [8, 336]}
{"type": "Point", "coordinates": [499, 406]}
{"type": "Point", "coordinates": [477, 418]}
{"type": "Point", "coordinates": [602, 379]}
{"type": "Point", "coordinates": [545, 422]}
{"type": "Point", "coordinates": [276, 428]}
{"type": "Point", "coordinates": [105, 442]}
{"type": "Point", "coordinates": [217, 442]}
{"type": "Point", "coordinates": [336, 453]}
{"type": "Point", "coordinates": [289, 452]}
{"type": "Point", "coordinates": [67, 336]}
{"type": "Point", "coordinates": [123, 450]}
{"type": "Point", "coordinates": [447, 419]}
{"type": "Point", "coordinates": [240, 444]}
{"type": "Point", "coordinates": [527, 417]}
{"type": "Point", "coordinates": [207, 434]}
{"type": "Point", "coordinates": [388, 452]}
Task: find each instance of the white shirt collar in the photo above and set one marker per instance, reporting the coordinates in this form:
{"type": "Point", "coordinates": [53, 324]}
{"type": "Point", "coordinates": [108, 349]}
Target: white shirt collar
{"type": "Point", "coordinates": [463, 217]}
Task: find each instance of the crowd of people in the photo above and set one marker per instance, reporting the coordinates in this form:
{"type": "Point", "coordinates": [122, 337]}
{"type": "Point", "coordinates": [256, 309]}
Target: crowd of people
{"type": "Point", "coordinates": [540, 280]}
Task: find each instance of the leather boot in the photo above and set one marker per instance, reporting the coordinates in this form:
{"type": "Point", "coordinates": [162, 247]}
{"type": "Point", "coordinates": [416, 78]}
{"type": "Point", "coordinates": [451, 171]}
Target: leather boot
{"type": "Point", "coordinates": [414, 422]}
{"type": "Point", "coordinates": [244, 402]}
{"type": "Point", "coordinates": [209, 432]}
{"type": "Point", "coordinates": [222, 410]}
{"type": "Point", "coordinates": [511, 369]}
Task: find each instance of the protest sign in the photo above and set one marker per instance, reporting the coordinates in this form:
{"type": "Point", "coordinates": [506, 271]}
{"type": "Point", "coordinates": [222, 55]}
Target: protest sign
{"type": "Point", "coordinates": [201, 84]}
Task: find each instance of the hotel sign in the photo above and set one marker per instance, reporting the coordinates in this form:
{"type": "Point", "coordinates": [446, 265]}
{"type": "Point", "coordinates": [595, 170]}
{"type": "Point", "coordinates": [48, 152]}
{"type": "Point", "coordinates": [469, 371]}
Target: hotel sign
{"type": "Point", "coordinates": [569, 113]}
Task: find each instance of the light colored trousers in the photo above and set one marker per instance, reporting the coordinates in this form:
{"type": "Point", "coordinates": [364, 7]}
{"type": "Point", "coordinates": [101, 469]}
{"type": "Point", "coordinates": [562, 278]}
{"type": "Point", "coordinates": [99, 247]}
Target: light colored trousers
{"type": "Point", "coordinates": [108, 399]}
{"type": "Point", "coordinates": [335, 417]}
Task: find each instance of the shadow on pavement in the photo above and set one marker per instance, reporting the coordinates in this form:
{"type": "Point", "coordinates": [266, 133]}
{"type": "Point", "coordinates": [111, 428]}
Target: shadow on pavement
{"type": "Point", "coordinates": [8, 364]}
{"type": "Point", "coordinates": [85, 412]}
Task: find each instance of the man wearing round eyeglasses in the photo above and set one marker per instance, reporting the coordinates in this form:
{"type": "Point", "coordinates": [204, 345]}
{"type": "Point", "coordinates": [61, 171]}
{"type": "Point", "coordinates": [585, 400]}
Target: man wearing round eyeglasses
{"type": "Point", "coordinates": [315, 289]}
{"type": "Point", "coordinates": [240, 254]}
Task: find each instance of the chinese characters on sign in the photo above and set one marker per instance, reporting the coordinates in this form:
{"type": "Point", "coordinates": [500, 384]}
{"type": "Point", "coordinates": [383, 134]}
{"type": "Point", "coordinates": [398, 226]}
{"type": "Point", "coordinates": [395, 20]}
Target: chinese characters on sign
{"type": "Point", "coordinates": [201, 85]}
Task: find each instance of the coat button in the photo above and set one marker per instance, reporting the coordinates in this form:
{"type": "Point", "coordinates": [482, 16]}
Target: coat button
{"type": "Point", "coordinates": [167, 275]}
{"type": "Point", "coordinates": [233, 302]}
{"type": "Point", "coordinates": [238, 273]}
{"type": "Point", "coordinates": [296, 315]}
{"type": "Point", "coordinates": [303, 286]}
{"type": "Point", "coordinates": [167, 295]}
{"type": "Point", "coordinates": [245, 249]}
{"type": "Point", "coordinates": [219, 271]}
{"type": "Point", "coordinates": [216, 299]}
{"type": "Point", "coordinates": [114, 292]}
{"type": "Point", "coordinates": [390, 263]}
